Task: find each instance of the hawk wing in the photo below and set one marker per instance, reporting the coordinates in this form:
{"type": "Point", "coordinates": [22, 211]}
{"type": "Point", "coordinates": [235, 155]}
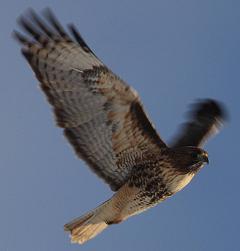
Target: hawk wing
{"type": "Point", "coordinates": [102, 116]}
{"type": "Point", "coordinates": [205, 119]}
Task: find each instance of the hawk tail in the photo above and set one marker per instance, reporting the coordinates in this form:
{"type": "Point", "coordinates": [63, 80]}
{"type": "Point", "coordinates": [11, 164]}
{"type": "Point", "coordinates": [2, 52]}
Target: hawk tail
{"type": "Point", "coordinates": [91, 224]}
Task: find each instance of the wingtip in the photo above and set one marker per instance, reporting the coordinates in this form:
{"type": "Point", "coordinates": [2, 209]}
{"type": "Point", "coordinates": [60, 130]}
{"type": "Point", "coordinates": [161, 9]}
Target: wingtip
{"type": "Point", "coordinates": [211, 108]}
{"type": "Point", "coordinates": [47, 11]}
{"type": "Point", "coordinates": [20, 38]}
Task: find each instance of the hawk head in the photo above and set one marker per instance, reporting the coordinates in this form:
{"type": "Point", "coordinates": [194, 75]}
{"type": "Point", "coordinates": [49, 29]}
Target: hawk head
{"type": "Point", "coordinates": [189, 158]}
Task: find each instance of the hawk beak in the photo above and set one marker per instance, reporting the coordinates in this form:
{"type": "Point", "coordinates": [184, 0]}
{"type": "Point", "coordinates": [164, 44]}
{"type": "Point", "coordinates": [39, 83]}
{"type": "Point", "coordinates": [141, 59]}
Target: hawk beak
{"type": "Point", "coordinates": [205, 159]}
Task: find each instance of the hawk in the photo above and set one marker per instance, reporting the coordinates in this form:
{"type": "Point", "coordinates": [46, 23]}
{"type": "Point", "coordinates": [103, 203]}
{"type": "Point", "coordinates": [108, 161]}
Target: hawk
{"type": "Point", "coordinates": [103, 119]}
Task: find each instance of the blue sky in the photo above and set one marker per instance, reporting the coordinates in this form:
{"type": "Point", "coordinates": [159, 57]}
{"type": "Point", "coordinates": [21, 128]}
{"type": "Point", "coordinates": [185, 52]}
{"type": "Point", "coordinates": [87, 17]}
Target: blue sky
{"type": "Point", "coordinates": [172, 52]}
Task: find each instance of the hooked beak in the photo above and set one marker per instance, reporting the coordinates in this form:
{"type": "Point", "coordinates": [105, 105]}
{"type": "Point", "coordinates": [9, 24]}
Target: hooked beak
{"type": "Point", "coordinates": [204, 158]}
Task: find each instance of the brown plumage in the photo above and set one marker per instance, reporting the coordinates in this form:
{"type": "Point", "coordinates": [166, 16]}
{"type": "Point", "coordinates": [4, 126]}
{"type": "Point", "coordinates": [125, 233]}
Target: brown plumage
{"type": "Point", "coordinates": [103, 119]}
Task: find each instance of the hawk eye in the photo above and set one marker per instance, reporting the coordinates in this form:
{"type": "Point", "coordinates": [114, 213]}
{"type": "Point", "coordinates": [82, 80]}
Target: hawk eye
{"type": "Point", "coordinates": [195, 155]}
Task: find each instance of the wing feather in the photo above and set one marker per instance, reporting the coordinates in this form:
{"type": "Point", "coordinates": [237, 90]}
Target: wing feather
{"type": "Point", "coordinates": [102, 117]}
{"type": "Point", "coordinates": [205, 119]}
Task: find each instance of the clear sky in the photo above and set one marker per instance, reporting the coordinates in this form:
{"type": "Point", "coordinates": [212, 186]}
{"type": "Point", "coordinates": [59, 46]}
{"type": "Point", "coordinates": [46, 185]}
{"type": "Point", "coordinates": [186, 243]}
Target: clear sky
{"type": "Point", "coordinates": [172, 52]}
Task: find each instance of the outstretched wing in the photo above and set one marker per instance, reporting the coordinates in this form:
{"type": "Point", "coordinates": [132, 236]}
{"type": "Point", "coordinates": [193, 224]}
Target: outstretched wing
{"type": "Point", "coordinates": [102, 116]}
{"type": "Point", "coordinates": [205, 119]}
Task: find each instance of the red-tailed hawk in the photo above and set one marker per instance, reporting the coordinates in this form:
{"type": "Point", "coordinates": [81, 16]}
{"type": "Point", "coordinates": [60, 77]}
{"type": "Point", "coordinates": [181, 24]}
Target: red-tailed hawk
{"type": "Point", "coordinates": [104, 120]}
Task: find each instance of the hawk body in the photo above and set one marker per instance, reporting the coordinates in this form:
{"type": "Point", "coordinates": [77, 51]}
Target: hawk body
{"type": "Point", "coordinates": [103, 119]}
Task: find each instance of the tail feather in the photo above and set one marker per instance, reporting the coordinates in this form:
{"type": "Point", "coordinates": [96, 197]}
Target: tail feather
{"type": "Point", "coordinates": [77, 222]}
{"type": "Point", "coordinates": [120, 207]}
{"type": "Point", "coordinates": [89, 225]}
